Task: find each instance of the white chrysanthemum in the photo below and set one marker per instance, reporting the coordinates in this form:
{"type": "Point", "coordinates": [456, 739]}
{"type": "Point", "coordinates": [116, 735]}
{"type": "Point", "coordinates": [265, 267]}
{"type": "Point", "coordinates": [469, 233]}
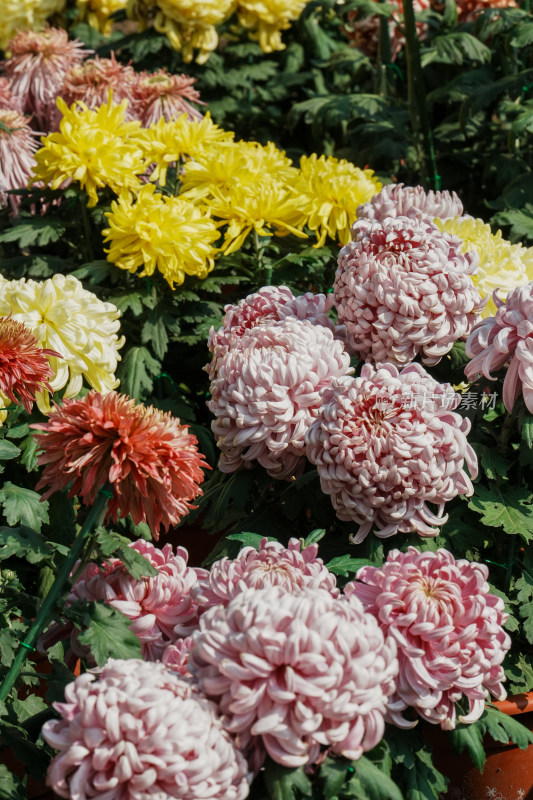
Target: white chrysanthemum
{"type": "Point", "coordinates": [67, 318]}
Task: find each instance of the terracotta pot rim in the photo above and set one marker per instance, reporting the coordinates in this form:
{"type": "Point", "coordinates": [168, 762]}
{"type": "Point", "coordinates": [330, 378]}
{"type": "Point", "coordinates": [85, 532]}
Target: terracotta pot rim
{"type": "Point", "coordinates": [515, 704]}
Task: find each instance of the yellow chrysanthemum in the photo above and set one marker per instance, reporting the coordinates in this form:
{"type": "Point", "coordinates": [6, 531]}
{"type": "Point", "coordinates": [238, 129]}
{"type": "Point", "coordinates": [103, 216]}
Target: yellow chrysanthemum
{"type": "Point", "coordinates": [23, 15]}
{"type": "Point", "coordinates": [330, 191]}
{"type": "Point", "coordinates": [164, 143]}
{"type": "Point", "coordinates": [265, 19]}
{"type": "Point", "coordinates": [95, 148]}
{"type": "Point", "coordinates": [244, 163]}
{"type": "Point", "coordinates": [98, 12]}
{"type": "Point", "coordinates": [265, 207]}
{"type": "Point", "coordinates": [190, 25]}
{"type": "Point", "coordinates": [67, 318]}
{"type": "Point", "coordinates": [157, 232]}
{"type": "Point", "coordinates": [501, 265]}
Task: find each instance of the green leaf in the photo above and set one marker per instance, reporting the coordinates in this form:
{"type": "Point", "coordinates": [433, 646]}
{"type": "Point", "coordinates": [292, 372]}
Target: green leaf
{"type": "Point", "coordinates": [24, 709]}
{"type": "Point", "coordinates": [523, 36]}
{"type": "Point", "coordinates": [492, 460]}
{"type": "Point", "coordinates": [470, 737]}
{"type": "Point", "coordinates": [314, 536]}
{"type": "Point", "coordinates": [39, 230]}
{"type": "Point", "coordinates": [505, 728]}
{"type": "Point", "coordinates": [519, 673]}
{"type": "Point", "coordinates": [333, 773]}
{"type": "Point", "coordinates": [344, 565]}
{"type": "Point", "coordinates": [8, 450]}
{"type": "Point", "coordinates": [11, 787]}
{"type": "Point", "coordinates": [456, 48]}
{"type": "Point", "coordinates": [137, 371]}
{"type": "Point", "coordinates": [154, 333]}
{"type": "Point", "coordinates": [249, 539]}
{"type": "Point", "coordinates": [111, 543]}
{"type": "Point", "coordinates": [510, 509]}
{"type": "Point", "coordinates": [23, 542]}
{"type": "Point", "coordinates": [524, 588]}
{"type": "Point", "coordinates": [286, 784]}
{"type": "Point", "coordinates": [376, 783]}
{"type": "Point", "coordinates": [29, 449]}
{"type": "Point", "coordinates": [108, 635]}
{"type": "Point", "coordinates": [423, 780]}
{"type": "Point", "coordinates": [23, 505]}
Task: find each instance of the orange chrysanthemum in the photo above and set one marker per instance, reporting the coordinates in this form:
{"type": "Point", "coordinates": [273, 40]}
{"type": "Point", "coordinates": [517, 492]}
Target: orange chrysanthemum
{"type": "Point", "coordinates": [24, 367]}
{"type": "Point", "coordinates": [149, 458]}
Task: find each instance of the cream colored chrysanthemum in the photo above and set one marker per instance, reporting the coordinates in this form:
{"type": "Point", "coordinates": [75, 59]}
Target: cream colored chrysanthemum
{"type": "Point", "coordinates": [98, 12]}
{"type": "Point", "coordinates": [65, 317]}
{"type": "Point", "coordinates": [190, 25]}
{"type": "Point", "coordinates": [22, 15]}
{"type": "Point", "coordinates": [265, 19]}
{"type": "Point", "coordinates": [158, 232]}
{"type": "Point", "coordinates": [244, 163]}
{"type": "Point", "coordinates": [501, 264]}
{"type": "Point", "coordinates": [266, 206]}
{"type": "Point", "coordinates": [96, 148]}
{"type": "Point", "coordinates": [165, 143]}
{"type": "Point", "coordinates": [330, 191]}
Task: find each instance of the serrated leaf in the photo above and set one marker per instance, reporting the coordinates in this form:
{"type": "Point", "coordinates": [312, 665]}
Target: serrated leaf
{"type": "Point", "coordinates": [9, 644]}
{"type": "Point", "coordinates": [137, 372]}
{"type": "Point", "coordinates": [39, 230]}
{"type": "Point", "coordinates": [519, 673]}
{"type": "Point", "coordinates": [29, 449]}
{"type": "Point", "coordinates": [8, 450]}
{"type": "Point", "coordinates": [344, 565]}
{"type": "Point", "coordinates": [24, 709]}
{"type": "Point", "coordinates": [492, 460]}
{"type": "Point", "coordinates": [376, 784]}
{"type": "Point", "coordinates": [523, 36]}
{"type": "Point", "coordinates": [132, 301]}
{"type": "Point", "coordinates": [470, 738]}
{"type": "Point", "coordinates": [23, 542]}
{"type": "Point", "coordinates": [509, 509]}
{"type": "Point", "coordinates": [456, 48]}
{"type": "Point", "coordinates": [423, 780]}
{"type": "Point", "coordinates": [248, 539]}
{"type": "Point", "coordinates": [286, 784]}
{"type": "Point", "coordinates": [11, 787]}
{"type": "Point", "coordinates": [505, 728]}
{"type": "Point", "coordinates": [333, 773]}
{"type": "Point", "coordinates": [111, 543]}
{"type": "Point", "coordinates": [108, 635]}
{"type": "Point", "coordinates": [23, 506]}
{"type": "Point", "coordinates": [154, 333]}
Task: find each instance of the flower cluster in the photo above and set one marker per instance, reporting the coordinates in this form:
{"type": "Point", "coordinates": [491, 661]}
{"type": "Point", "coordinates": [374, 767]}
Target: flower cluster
{"type": "Point", "coordinates": [267, 390]}
{"type": "Point", "coordinates": [448, 629]}
{"type": "Point", "coordinates": [386, 444]}
{"type": "Point", "coordinates": [148, 457]}
{"type": "Point", "coordinates": [79, 327]}
{"type": "Point", "coordinates": [139, 730]}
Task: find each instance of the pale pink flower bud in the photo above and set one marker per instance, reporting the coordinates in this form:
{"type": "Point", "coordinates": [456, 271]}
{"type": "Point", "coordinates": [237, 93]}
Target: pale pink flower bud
{"type": "Point", "coordinates": [294, 672]}
{"type": "Point", "coordinates": [268, 389]}
{"type": "Point", "coordinates": [270, 565]}
{"type": "Point", "coordinates": [388, 443]}
{"type": "Point", "coordinates": [506, 340]}
{"type": "Point", "coordinates": [448, 629]}
{"type": "Point", "coordinates": [404, 288]}
{"type": "Point", "coordinates": [140, 732]}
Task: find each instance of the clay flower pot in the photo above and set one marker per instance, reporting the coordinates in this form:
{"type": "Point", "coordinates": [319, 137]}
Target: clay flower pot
{"type": "Point", "coordinates": [508, 771]}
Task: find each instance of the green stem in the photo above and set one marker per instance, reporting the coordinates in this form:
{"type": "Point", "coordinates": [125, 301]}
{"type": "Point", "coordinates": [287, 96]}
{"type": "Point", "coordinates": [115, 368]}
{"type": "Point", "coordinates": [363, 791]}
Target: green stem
{"type": "Point", "coordinates": [418, 110]}
{"type": "Point", "coordinates": [511, 550]}
{"type": "Point", "coordinates": [87, 230]}
{"type": "Point", "coordinates": [94, 518]}
{"type": "Point", "coordinates": [264, 270]}
{"type": "Point", "coordinates": [506, 431]}
{"type": "Point", "coordinates": [384, 54]}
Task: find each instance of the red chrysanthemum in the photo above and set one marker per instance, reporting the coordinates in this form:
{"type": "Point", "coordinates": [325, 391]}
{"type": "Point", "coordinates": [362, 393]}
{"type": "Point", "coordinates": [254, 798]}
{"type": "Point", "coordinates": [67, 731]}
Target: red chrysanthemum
{"type": "Point", "coordinates": [18, 143]}
{"type": "Point", "coordinates": [24, 367]}
{"type": "Point", "coordinates": [270, 565]}
{"type": "Point", "coordinates": [92, 81]}
{"type": "Point", "coordinates": [160, 94]}
{"type": "Point", "coordinates": [448, 629]}
{"type": "Point", "coordinates": [37, 66]}
{"type": "Point", "coordinates": [150, 459]}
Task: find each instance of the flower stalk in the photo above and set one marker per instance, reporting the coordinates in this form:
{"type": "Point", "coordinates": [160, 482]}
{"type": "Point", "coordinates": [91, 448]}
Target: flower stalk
{"type": "Point", "coordinates": [94, 519]}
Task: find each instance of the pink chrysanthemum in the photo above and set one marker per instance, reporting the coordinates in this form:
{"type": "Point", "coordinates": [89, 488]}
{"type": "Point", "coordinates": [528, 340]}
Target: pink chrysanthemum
{"type": "Point", "coordinates": [24, 367]}
{"type": "Point", "coordinates": [37, 66]}
{"type": "Point", "coordinates": [161, 608]}
{"type": "Point", "coordinates": [269, 304]}
{"type": "Point", "coordinates": [92, 81]}
{"type": "Point", "coordinates": [448, 629]}
{"type": "Point", "coordinates": [403, 288]}
{"type": "Point", "coordinates": [386, 444]}
{"type": "Point", "coordinates": [162, 95]}
{"type": "Point", "coordinates": [150, 459]}
{"type": "Point", "coordinates": [138, 731]}
{"type": "Point", "coordinates": [397, 200]}
{"type": "Point", "coordinates": [270, 565]}
{"type": "Point", "coordinates": [506, 339]}
{"type": "Point", "coordinates": [176, 656]}
{"type": "Point", "coordinates": [9, 101]}
{"type": "Point", "coordinates": [292, 672]}
{"type": "Point", "coordinates": [267, 391]}
{"type": "Point", "coordinates": [18, 143]}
